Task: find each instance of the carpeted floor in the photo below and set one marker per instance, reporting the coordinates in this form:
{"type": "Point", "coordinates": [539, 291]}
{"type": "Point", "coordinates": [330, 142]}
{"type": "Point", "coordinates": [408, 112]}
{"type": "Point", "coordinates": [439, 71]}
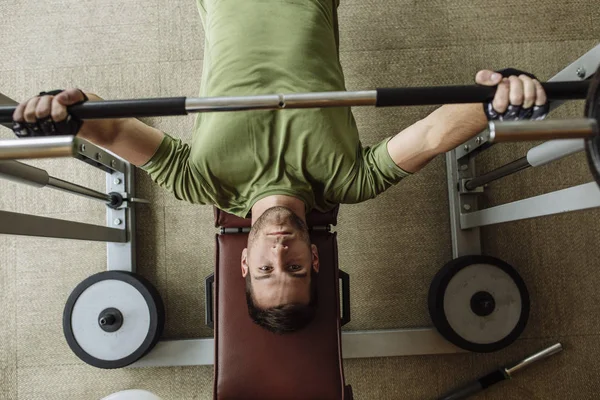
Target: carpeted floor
{"type": "Point", "coordinates": [392, 246]}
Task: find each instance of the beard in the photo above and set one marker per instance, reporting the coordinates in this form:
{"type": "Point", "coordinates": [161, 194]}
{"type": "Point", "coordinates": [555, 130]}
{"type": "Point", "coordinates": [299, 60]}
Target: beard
{"type": "Point", "coordinates": [279, 215]}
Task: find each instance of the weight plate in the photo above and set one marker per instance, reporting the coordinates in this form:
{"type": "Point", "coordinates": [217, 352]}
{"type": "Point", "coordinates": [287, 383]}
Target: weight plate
{"type": "Point", "coordinates": [592, 110]}
{"type": "Point", "coordinates": [113, 319]}
{"type": "Point", "coordinates": [479, 303]}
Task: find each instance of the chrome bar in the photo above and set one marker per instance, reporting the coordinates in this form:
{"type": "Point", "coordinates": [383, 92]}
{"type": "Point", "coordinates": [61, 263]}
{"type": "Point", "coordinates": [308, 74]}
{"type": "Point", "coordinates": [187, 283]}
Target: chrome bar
{"type": "Point", "coordinates": [518, 131]}
{"type": "Point", "coordinates": [501, 172]}
{"type": "Point", "coordinates": [69, 187]}
{"type": "Point", "coordinates": [29, 175]}
{"type": "Point", "coordinates": [23, 173]}
{"type": "Point", "coordinates": [27, 148]}
{"type": "Point", "coordinates": [556, 348]}
{"type": "Point", "coordinates": [281, 101]}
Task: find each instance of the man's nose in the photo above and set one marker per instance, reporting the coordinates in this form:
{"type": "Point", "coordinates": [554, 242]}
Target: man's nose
{"type": "Point", "coordinates": [279, 246]}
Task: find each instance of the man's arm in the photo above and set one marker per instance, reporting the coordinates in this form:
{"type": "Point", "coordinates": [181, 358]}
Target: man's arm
{"type": "Point", "coordinates": [451, 125]}
{"type": "Point", "coordinates": [129, 138]}
{"type": "Point", "coordinates": [441, 131]}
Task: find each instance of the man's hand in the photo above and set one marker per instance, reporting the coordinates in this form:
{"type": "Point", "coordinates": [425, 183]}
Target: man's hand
{"type": "Point", "coordinates": [517, 97]}
{"type": "Point", "coordinates": [46, 114]}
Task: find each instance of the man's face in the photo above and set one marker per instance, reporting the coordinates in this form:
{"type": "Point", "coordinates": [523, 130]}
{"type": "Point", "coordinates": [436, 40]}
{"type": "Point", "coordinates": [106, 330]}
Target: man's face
{"type": "Point", "coordinates": [279, 259]}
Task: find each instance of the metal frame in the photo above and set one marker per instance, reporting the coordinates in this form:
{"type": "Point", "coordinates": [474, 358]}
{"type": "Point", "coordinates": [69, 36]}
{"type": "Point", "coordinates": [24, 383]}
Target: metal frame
{"type": "Point", "coordinates": [466, 218]}
{"type": "Point", "coordinates": [119, 232]}
{"type": "Point", "coordinates": [575, 198]}
{"type": "Point", "coordinates": [358, 344]}
{"type": "Point", "coordinates": [582, 68]}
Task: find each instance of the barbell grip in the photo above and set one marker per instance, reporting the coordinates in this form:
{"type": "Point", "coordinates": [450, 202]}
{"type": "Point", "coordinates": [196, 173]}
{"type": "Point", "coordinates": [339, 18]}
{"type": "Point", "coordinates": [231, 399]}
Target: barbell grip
{"type": "Point", "coordinates": [132, 108]}
{"type": "Point", "coordinates": [420, 96]}
{"type": "Point", "coordinates": [162, 106]}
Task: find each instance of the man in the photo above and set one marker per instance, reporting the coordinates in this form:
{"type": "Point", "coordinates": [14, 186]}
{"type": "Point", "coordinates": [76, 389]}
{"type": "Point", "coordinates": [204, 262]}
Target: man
{"type": "Point", "coordinates": [276, 166]}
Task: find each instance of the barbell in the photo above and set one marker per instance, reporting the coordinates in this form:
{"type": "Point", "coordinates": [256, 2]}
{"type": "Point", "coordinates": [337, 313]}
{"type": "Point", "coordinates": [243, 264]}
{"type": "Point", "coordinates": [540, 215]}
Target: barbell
{"type": "Point", "coordinates": [586, 128]}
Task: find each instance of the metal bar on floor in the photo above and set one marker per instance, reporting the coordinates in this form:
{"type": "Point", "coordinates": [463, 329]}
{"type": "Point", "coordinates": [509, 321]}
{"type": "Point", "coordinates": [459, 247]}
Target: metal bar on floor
{"type": "Point", "coordinates": [575, 198]}
{"type": "Point", "coordinates": [30, 225]}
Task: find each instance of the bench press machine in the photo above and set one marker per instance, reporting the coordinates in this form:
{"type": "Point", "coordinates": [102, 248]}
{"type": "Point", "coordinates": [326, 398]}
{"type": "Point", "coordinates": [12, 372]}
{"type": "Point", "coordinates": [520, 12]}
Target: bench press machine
{"type": "Point", "coordinates": [229, 311]}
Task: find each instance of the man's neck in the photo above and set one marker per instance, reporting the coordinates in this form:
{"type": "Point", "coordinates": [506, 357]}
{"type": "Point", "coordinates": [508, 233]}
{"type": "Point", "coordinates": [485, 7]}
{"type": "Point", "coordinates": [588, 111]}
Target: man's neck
{"type": "Point", "coordinates": [294, 204]}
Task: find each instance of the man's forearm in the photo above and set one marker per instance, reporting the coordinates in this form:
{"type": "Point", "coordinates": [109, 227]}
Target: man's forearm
{"type": "Point", "coordinates": [451, 125]}
{"type": "Point", "coordinates": [441, 131]}
{"type": "Point", "coordinates": [101, 132]}
{"type": "Point", "coordinates": [128, 138]}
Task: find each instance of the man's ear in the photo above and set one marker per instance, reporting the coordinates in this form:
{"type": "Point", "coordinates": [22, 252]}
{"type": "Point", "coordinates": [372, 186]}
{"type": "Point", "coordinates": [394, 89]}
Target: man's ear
{"type": "Point", "coordinates": [315, 257]}
{"type": "Point", "coordinates": [244, 262]}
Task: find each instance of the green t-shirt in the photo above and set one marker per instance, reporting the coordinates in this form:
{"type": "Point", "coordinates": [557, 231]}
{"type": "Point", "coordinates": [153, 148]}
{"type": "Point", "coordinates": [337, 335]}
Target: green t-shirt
{"type": "Point", "coordinates": [236, 158]}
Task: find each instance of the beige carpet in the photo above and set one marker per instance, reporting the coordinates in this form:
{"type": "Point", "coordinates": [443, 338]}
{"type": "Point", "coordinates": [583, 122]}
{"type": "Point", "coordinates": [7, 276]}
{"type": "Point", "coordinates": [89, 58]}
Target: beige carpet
{"type": "Point", "coordinates": [391, 246]}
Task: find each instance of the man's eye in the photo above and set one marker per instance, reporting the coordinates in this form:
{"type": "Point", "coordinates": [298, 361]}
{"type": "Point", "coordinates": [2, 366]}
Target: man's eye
{"type": "Point", "coordinates": [295, 268]}
{"type": "Point", "coordinates": [265, 268]}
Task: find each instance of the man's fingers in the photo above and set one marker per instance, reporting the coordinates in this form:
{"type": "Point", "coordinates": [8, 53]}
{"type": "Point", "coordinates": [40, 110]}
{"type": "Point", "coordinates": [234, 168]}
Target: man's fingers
{"type": "Point", "coordinates": [42, 110]}
{"type": "Point", "coordinates": [18, 113]}
{"type": "Point", "coordinates": [516, 91]}
{"type": "Point", "coordinates": [500, 102]}
{"type": "Point", "coordinates": [69, 97]}
{"type": "Point", "coordinates": [528, 91]}
{"type": "Point", "coordinates": [540, 93]}
{"type": "Point", "coordinates": [58, 111]}
{"type": "Point", "coordinates": [29, 112]}
{"type": "Point", "coordinates": [488, 78]}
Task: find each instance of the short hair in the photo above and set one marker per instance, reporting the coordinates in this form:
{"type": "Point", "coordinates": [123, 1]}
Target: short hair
{"type": "Point", "coordinates": [284, 318]}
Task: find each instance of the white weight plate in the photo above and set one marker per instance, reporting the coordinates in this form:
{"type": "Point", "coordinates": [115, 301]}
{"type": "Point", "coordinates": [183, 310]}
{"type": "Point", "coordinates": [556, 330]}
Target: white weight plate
{"type": "Point", "coordinates": [110, 346]}
{"type": "Point", "coordinates": [457, 304]}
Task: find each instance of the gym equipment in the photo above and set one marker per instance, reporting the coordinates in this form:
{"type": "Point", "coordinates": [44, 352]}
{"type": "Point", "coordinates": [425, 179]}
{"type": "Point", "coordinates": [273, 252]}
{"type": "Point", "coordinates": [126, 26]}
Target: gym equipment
{"type": "Point", "coordinates": [479, 303]}
{"type": "Point", "coordinates": [465, 218]}
{"type": "Point", "coordinates": [113, 319]}
{"type": "Point", "coordinates": [390, 97]}
{"type": "Point", "coordinates": [499, 131]}
{"type": "Point", "coordinates": [132, 394]}
{"type": "Point", "coordinates": [500, 374]}
{"type": "Point", "coordinates": [260, 349]}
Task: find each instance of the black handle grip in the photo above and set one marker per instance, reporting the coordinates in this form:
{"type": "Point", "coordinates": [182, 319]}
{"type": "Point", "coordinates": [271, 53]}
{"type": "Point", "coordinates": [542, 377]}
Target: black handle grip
{"type": "Point", "coordinates": [420, 96]}
{"type": "Point", "coordinates": [117, 109]}
{"type": "Point", "coordinates": [208, 303]}
{"type": "Point", "coordinates": [345, 297]}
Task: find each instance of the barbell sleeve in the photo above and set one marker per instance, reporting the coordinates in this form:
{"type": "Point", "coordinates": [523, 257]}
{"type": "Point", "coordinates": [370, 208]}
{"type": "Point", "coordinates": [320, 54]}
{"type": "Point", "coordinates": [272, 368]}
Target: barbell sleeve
{"type": "Point", "coordinates": [523, 131]}
{"type": "Point", "coordinates": [44, 147]}
{"type": "Point", "coordinates": [410, 96]}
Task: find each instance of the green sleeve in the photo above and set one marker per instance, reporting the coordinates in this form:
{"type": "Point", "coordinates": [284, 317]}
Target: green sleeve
{"type": "Point", "coordinates": [374, 172]}
{"type": "Point", "coordinates": [171, 169]}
